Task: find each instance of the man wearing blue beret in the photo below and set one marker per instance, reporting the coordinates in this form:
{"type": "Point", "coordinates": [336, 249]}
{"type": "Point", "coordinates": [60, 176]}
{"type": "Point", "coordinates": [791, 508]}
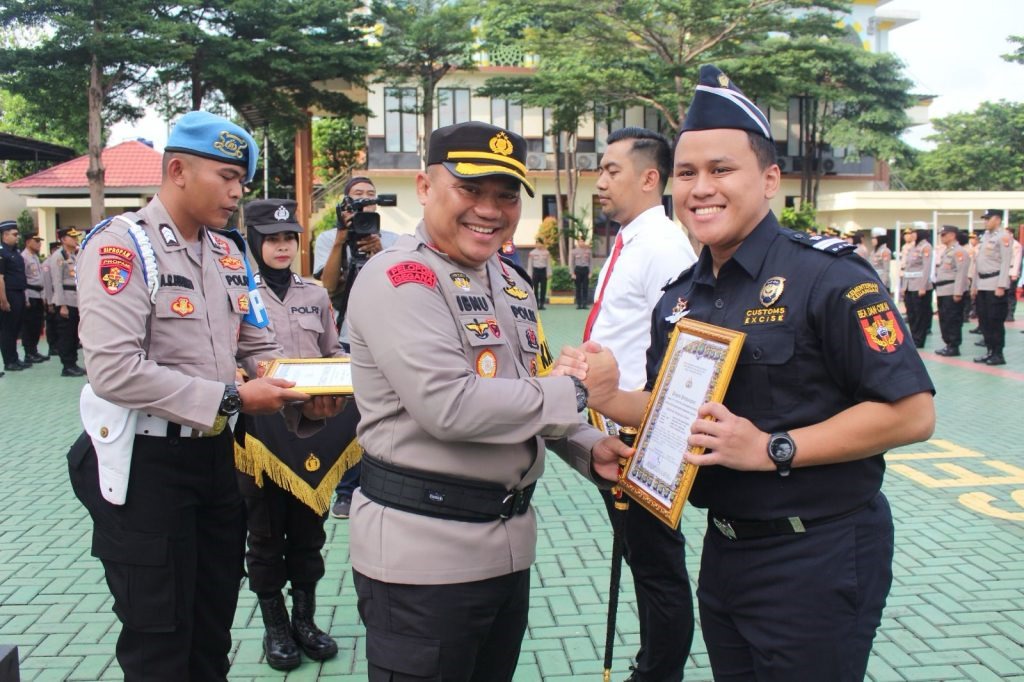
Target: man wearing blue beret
{"type": "Point", "coordinates": [167, 312]}
{"type": "Point", "coordinates": [797, 558]}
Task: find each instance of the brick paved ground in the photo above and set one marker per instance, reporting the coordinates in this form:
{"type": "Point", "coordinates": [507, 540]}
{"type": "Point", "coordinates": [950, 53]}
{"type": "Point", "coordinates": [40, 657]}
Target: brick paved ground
{"type": "Point", "coordinates": [956, 611]}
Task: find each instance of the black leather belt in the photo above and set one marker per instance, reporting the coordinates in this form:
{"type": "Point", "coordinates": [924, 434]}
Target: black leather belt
{"type": "Point", "coordinates": [944, 282]}
{"type": "Point", "coordinates": [986, 275]}
{"type": "Point", "coordinates": [735, 529]}
{"type": "Point", "coordinates": [440, 496]}
{"type": "Point", "coordinates": [34, 287]}
{"type": "Point", "coordinates": [70, 287]}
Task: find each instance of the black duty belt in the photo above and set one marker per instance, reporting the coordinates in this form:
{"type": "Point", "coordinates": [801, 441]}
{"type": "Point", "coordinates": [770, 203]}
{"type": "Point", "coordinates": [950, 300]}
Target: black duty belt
{"type": "Point", "coordinates": [735, 529]}
{"type": "Point", "coordinates": [440, 496]}
{"type": "Point", "coordinates": [70, 287]}
{"type": "Point", "coordinates": [34, 287]}
{"type": "Point", "coordinates": [986, 275]}
{"type": "Point", "coordinates": [944, 282]}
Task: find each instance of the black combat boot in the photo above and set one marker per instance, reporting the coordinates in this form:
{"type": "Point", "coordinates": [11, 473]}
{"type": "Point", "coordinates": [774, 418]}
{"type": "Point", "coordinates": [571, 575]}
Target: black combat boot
{"type": "Point", "coordinates": [315, 643]}
{"type": "Point", "coordinates": [996, 359]}
{"type": "Point", "coordinates": [281, 651]}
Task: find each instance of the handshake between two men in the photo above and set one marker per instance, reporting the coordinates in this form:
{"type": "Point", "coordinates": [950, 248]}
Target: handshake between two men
{"type": "Point", "coordinates": [728, 440]}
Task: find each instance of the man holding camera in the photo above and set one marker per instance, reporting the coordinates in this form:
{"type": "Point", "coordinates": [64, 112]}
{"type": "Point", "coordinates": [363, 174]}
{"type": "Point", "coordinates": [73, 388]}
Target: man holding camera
{"type": "Point", "coordinates": [336, 265]}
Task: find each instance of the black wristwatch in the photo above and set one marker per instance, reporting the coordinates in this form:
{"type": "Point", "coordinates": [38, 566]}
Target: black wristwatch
{"type": "Point", "coordinates": [581, 394]}
{"type": "Point", "coordinates": [231, 403]}
{"type": "Point", "coordinates": [781, 450]}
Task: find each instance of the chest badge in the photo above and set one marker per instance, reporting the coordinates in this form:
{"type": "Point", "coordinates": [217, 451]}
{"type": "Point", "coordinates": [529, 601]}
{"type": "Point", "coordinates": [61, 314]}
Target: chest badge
{"type": "Point", "coordinates": [513, 289]}
{"type": "Point", "coordinates": [679, 311]}
{"type": "Point", "coordinates": [231, 263]}
{"type": "Point", "coordinates": [771, 291]}
{"type": "Point", "coordinates": [182, 306]}
{"type": "Point", "coordinates": [460, 280]}
{"type": "Point", "coordinates": [487, 364]}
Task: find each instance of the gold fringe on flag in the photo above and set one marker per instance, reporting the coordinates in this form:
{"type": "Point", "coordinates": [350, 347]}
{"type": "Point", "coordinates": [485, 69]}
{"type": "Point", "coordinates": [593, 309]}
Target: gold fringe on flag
{"type": "Point", "coordinates": [256, 460]}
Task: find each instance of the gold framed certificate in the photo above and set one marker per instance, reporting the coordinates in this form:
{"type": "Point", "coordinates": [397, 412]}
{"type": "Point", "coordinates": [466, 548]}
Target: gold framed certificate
{"type": "Point", "coordinates": [697, 368]}
{"type": "Point", "coordinates": [315, 376]}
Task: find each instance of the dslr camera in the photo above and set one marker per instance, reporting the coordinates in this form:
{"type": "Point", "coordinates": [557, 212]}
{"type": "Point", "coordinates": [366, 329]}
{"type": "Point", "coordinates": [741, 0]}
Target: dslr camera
{"type": "Point", "coordinates": [361, 224]}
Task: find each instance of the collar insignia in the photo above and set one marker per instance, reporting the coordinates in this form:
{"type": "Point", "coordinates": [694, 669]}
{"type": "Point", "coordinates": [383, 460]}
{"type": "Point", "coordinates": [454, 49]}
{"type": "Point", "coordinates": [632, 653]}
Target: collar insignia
{"type": "Point", "coordinates": [772, 291]}
{"type": "Point", "coordinates": [168, 235]}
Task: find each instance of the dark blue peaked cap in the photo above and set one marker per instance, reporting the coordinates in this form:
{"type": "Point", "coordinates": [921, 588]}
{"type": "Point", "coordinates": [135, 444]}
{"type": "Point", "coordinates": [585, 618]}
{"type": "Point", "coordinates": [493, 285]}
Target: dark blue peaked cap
{"type": "Point", "coordinates": [718, 103]}
{"type": "Point", "coordinates": [213, 137]}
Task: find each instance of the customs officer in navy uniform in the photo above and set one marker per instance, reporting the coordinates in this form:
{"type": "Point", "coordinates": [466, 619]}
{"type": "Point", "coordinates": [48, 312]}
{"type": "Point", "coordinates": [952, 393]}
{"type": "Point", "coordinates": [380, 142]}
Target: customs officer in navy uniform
{"type": "Point", "coordinates": [446, 352]}
{"type": "Point", "coordinates": [797, 558]}
{"type": "Point", "coordinates": [166, 316]}
{"type": "Point", "coordinates": [12, 296]}
{"type": "Point", "coordinates": [951, 284]}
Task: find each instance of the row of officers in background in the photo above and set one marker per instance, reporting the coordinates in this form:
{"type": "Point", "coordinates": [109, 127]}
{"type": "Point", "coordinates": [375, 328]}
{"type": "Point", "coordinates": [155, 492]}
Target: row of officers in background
{"type": "Point", "coordinates": [967, 274]}
{"type": "Point", "coordinates": [34, 290]}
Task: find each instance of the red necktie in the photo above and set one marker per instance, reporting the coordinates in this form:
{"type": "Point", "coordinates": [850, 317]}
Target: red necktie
{"type": "Point", "coordinates": [604, 285]}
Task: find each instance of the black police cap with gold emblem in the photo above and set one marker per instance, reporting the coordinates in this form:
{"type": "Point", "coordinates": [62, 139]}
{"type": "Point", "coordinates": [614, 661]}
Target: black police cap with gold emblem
{"type": "Point", "coordinates": [992, 213]}
{"type": "Point", "coordinates": [718, 103]}
{"type": "Point", "coordinates": [474, 150]}
{"type": "Point", "coordinates": [271, 216]}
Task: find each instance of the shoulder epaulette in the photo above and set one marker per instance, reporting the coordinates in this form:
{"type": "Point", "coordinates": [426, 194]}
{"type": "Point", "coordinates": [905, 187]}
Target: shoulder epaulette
{"type": "Point", "coordinates": [518, 268]}
{"type": "Point", "coordinates": [143, 247]}
{"type": "Point", "coordinates": [831, 245]}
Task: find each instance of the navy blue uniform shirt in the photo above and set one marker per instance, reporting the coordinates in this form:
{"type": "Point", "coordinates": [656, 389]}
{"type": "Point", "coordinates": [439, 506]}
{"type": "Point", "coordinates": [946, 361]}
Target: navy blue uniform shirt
{"type": "Point", "coordinates": [822, 335]}
{"type": "Point", "coordinates": [12, 267]}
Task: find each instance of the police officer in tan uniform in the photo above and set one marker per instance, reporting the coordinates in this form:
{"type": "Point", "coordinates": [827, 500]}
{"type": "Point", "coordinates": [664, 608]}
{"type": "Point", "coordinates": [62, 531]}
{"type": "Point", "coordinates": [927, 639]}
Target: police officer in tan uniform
{"type": "Point", "coordinates": [950, 285]}
{"type": "Point", "coordinates": [166, 313]}
{"type": "Point", "coordinates": [537, 265]}
{"type": "Point", "coordinates": [991, 286]}
{"type": "Point", "coordinates": [35, 305]}
{"type": "Point", "coordinates": [917, 285]}
{"type": "Point", "coordinates": [881, 256]}
{"type": "Point", "coordinates": [581, 260]}
{"type": "Point", "coordinates": [61, 267]}
{"type": "Point", "coordinates": [454, 421]}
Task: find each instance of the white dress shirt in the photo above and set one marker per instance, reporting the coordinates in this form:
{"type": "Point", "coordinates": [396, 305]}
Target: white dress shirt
{"type": "Point", "coordinates": [654, 252]}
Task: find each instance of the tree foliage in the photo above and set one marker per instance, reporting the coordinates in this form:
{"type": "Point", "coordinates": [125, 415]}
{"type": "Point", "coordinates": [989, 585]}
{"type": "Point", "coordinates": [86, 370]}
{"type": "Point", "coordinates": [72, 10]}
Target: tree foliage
{"type": "Point", "coordinates": [981, 150]}
{"type": "Point", "coordinates": [338, 145]}
{"type": "Point", "coordinates": [421, 41]}
{"type": "Point", "coordinates": [1018, 54]}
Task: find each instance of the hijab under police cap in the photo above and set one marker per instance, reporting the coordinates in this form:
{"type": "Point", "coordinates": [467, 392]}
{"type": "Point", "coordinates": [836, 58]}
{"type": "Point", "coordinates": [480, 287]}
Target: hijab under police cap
{"type": "Point", "coordinates": [718, 103]}
{"type": "Point", "coordinates": [204, 134]}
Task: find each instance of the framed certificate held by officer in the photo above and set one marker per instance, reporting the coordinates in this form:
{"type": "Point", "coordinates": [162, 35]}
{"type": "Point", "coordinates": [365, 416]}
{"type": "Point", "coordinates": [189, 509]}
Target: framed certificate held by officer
{"type": "Point", "coordinates": [315, 376]}
{"type": "Point", "coordinates": [697, 368]}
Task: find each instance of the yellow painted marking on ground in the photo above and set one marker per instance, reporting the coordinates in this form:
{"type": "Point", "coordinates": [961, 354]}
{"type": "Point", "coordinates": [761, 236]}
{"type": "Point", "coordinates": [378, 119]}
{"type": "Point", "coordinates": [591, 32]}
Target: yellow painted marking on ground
{"type": "Point", "coordinates": [946, 450]}
{"type": "Point", "coordinates": [982, 503]}
{"type": "Point", "coordinates": [962, 476]}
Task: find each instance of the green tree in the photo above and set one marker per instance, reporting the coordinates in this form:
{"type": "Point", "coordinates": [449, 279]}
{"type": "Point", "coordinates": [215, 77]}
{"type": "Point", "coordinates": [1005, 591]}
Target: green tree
{"type": "Point", "coordinates": [338, 145]}
{"type": "Point", "coordinates": [421, 41]}
{"type": "Point", "coordinates": [981, 150]}
{"type": "Point", "coordinates": [804, 218]}
{"type": "Point", "coordinates": [1018, 54]}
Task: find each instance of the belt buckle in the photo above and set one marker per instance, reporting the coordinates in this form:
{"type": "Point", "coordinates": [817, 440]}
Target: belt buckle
{"type": "Point", "coordinates": [218, 427]}
{"type": "Point", "coordinates": [724, 527]}
{"type": "Point", "coordinates": [516, 498]}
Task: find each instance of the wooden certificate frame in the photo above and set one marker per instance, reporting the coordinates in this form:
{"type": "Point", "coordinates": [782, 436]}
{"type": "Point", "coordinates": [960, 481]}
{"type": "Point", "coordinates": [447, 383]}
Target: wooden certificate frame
{"type": "Point", "coordinates": [315, 376]}
{"type": "Point", "coordinates": [696, 369]}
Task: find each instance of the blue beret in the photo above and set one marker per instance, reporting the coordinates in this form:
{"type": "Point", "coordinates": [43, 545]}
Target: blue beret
{"type": "Point", "coordinates": [718, 103]}
{"type": "Point", "coordinates": [213, 137]}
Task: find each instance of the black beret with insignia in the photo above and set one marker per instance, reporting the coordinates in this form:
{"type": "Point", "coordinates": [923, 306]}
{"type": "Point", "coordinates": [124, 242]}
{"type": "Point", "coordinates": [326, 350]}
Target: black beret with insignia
{"type": "Point", "coordinates": [718, 103]}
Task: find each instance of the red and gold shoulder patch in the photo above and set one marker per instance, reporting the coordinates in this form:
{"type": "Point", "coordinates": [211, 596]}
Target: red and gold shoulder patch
{"type": "Point", "coordinates": [115, 268]}
{"type": "Point", "coordinates": [486, 364]}
{"type": "Point", "coordinates": [183, 306]}
{"type": "Point", "coordinates": [959, 255]}
{"type": "Point", "coordinates": [231, 263]}
{"type": "Point", "coordinates": [882, 330]}
{"type": "Point", "coordinates": [411, 271]}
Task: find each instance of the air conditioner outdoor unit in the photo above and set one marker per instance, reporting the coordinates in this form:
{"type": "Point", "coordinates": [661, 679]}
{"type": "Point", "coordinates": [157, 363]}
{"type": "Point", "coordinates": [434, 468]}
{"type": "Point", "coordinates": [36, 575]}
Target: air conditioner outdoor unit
{"type": "Point", "coordinates": [536, 161]}
{"type": "Point", "coordinates": [829, 165]}
{"type": "Point", "coordinates": [784, 164]}
{"type": "Point", "coordinates": [586, 161]}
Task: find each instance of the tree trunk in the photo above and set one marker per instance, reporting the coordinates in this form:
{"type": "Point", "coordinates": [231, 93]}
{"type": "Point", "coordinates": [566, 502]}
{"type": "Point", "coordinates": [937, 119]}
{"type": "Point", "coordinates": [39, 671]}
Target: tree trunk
{"type": "Point", "coordinates": [96, 172]}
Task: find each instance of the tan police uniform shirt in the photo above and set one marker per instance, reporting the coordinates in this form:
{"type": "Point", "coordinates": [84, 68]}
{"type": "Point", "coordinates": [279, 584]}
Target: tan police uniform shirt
{"type": "Point", "coordinates": [951, 271]}
{"type": "Point", "coordinates": [917, 272]}
{"type": "Point", "coordinates": [173, 357]}
{"type": "Point", "coordinates": [539, 258]}
{"type": "Point", "coordinates": [992, 261]}
{"type": "Point", "coordinates": [303, 323]}
{"type": "Point", "coordinates": [581, 257]}
{"type": "Point", "coordinates": [33, 274]}
{"type": "Point", "coordinates": [62, 266]}
{"type": "Point", "coordinates": [444, 362]}
{"type": "Point", "coordinates": [881, 257]}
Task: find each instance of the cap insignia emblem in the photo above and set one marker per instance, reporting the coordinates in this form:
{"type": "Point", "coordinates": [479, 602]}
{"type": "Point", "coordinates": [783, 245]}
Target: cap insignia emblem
{"type": "Point", "coordinates": [723, 80]}
{"type": "Point", "coordinates": [500, 144]}
{"type": "Point", "coordinates": [281, 213]}
{"type": "Point", "coordinates": [231, 145]}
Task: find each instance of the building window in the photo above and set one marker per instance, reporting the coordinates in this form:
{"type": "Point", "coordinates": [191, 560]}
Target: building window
{"type": "Point", "coordinates": [400, 119]}
{"type": "Point", "coordinates": [549, 138]}
{"type": "Point", "coordinates": [452, 106]}
{"type": "Point", "coordinates": [606, 119]}
{"type": "Point", "coordinates": [507, 114]}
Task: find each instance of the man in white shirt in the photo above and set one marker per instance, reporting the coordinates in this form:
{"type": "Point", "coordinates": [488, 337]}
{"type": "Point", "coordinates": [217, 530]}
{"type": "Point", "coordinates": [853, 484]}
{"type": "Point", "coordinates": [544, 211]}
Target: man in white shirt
{"type": "Point", "coordinates": [651, 250]}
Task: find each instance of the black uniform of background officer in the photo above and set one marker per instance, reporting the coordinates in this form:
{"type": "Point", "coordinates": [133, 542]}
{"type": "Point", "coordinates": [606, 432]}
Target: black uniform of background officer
{"type": "Point", "coordinates": [797, 558]}
{"type": "Point", "coordinates": [12, 295]}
